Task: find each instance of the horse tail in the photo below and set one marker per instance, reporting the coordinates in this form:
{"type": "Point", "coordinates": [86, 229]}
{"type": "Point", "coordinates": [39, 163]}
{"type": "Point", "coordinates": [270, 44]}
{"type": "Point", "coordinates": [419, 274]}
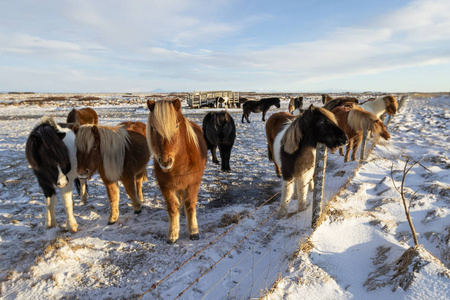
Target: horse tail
{"type": "Point", "coordinates": [269, 153]}
{"type": "Point", "coordinates": [379, 128]}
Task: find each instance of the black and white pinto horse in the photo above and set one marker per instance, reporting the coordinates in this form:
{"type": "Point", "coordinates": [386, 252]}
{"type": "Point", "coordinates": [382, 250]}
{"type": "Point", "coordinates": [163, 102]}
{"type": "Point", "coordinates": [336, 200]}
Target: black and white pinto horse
{"type": "Point", "coordinates": [295, 151]}
{"type": "Point", "coordinates": [219, 130]}
{"type": "Point", "coordinates": [262, 105]}
{"type": "Point", "coordinates": [51, 152]}
{"type": "Point", "coordinates": [222, 102]}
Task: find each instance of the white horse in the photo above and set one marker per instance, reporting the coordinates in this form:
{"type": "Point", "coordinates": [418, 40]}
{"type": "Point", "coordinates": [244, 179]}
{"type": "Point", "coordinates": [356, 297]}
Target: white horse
{"type": "Point", "coordinates": [381, 105]}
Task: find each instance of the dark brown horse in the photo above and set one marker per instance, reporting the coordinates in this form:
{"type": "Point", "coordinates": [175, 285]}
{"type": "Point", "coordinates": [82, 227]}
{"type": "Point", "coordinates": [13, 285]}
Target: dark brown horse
{"type": "Point", "coordinates": [117, 153]}
{"type": "Point", "coordinates": [354, 120]}
{"type": "Point", "coordinates": [179, 157]}
{"type": "Point", "coordinates": [82, 116]}
{"type": "Point", "coordinates": [339, 101]}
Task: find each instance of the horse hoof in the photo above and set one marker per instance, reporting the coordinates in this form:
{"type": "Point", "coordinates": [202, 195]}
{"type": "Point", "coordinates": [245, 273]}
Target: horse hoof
{"type": "Point", "coordinates": [194, 237]}
{"type": "Point", "coordinates": [137, 212]}
{"type": "Point", "coordinates": [171, 242]}
{"type": "Point", "coordinates": [111, 223]}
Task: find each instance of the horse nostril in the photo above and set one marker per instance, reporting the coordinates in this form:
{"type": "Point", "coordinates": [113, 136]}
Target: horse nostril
{"type": "Point", "coordinates": [170, 160]}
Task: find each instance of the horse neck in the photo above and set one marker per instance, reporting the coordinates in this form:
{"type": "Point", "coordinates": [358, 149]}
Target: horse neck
{"type": "Point", "coordinates": [378, 107]}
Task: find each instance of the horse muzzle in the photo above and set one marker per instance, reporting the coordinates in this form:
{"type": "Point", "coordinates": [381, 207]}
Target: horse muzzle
{"type": "Point", "coordinates": [165, 164]}
{"type": "Point", "coordinates": [83, 175]}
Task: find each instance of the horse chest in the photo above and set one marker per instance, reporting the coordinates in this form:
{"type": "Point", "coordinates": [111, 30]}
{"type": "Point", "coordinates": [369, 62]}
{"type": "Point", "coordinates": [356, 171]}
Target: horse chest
{"type": "Point", "coordinates": [297, 164]}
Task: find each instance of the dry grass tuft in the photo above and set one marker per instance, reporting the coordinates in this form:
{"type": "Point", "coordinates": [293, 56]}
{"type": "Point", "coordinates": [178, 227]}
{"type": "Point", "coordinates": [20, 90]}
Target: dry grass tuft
{"type": "Point", "coordinates": [230, 218]}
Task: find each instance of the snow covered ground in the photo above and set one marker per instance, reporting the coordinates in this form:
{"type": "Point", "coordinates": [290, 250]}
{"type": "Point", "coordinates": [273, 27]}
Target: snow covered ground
{"type": "Point", "coordinates": [352, 254]}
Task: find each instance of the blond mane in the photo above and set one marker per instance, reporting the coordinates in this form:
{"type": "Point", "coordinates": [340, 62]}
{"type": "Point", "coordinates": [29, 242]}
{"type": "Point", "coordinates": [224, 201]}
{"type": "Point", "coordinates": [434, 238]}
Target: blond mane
{"type": "Point", "coordinates": [164, 119]}
{"type": "Point", "coordinates": [113, 143]}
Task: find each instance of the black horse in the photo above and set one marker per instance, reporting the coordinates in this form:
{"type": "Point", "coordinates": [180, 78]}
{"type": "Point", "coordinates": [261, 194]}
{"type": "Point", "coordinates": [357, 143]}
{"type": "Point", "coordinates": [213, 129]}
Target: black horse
{"type": "Point", "coordinates": [51, 152]}
{"type": "Point", "coordinates": [219, 130]}
{"type": "Point", "coordinates": [262, 105]}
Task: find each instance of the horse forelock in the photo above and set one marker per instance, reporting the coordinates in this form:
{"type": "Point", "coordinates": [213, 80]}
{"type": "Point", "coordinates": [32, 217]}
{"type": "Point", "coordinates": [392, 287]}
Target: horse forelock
{"type": "Point", "coordinates": [165, 119]}
{"type": "Point", "coordinates": [327, 114]}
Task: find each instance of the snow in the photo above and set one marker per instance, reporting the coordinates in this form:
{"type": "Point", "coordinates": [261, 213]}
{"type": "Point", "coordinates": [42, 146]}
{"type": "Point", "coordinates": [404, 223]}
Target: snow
{"type": "Point", "coordinates": [354, 253]}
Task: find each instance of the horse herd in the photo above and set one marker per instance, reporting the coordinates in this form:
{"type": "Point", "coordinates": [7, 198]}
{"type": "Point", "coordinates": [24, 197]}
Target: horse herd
{"type": "Point", "coordinates": [61, 154]}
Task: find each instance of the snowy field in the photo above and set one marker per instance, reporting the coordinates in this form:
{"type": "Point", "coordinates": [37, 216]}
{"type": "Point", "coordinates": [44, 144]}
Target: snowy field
{"type": "Point", "coordinates": [352, 254]}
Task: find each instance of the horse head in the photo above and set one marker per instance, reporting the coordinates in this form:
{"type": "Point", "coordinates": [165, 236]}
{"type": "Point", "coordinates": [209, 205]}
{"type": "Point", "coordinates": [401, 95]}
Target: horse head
{"type": "Point", "coordinates": [324, 127]}
{"type": "Point", "coordinates": [164, 126]}
{"type": "Point", "coordinates": [277, 103]}
{"type": "Point", "coordinates": [391, 104]}
{"type": "Point", "coordinates": [87, 142]}
{"type": "Point", "coordinates": [221, 125]}
{"type": "Point", "coordinates": [47, 153]}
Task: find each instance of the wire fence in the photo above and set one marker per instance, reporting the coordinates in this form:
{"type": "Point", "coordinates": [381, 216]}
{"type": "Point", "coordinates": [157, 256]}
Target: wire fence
{"type": "Point", "coordinates": [252, 270]}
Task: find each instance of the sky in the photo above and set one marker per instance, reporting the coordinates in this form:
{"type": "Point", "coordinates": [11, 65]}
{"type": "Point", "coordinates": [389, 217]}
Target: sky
{"type": "Point", "coordinates": [250, 45]}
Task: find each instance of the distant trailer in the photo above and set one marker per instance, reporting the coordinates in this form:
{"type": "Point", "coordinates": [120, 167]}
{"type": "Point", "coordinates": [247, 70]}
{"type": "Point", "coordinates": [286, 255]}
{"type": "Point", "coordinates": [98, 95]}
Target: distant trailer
{"type": "Point", "coordinates": [199, 99]}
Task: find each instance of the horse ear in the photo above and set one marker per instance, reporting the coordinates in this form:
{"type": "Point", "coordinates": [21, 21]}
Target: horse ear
{"type": "Point", "coordinates": [150, 104]}
{"type": "Point", "coordinates": [94, 130]}
{"type": "Point", "coordinates": [75, 129]}
{"type": "Point", "coordinates": [177, 104]}
{"type": "Point", "coordinates": [310, 108]}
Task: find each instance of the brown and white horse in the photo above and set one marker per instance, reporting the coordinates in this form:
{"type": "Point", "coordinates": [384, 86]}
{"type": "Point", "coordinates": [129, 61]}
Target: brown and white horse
{"type": "Point", "coordinates": [179, 157]}
{"type": "Point", "coordinates": [82, 116]}
{"type": "Point", "coordinates": [117, 153]}
{"type": "Point", "coordinates": [293, 149]}
{"type": "Point", "coordinates": [354, 120]}
{"type": "Point", "coordinates": [381, 105]}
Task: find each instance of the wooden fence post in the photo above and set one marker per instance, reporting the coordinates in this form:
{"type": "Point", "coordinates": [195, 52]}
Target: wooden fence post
{"type": "Point", "coordinates": [319, 182]}
{"type": "Point", "coordinates": [363, 145]}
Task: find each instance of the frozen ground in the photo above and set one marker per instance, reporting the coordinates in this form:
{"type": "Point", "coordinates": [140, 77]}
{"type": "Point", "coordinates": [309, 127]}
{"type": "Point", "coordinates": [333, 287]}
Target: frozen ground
{"type": "Point", "coordinates": [365, 229]}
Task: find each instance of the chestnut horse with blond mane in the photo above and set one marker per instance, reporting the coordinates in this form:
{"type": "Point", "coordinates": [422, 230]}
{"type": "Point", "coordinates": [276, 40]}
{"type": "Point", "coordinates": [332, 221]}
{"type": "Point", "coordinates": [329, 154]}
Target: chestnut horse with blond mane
{"type": "Point", "coordinates": [117, 153]}
{"type": "Point", "coordinates": [354, 120]}
{"type": "Point", "coordinates": [179, 157]}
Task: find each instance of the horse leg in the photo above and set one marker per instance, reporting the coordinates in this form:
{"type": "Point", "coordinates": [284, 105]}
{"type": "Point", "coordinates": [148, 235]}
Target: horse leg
{"type": "Point", "coordinates": [264, 115]}
{"type": "Point", "coordinates": [214, 155]}
{"type": "Point", "coordinates": [303, 184]}
{"type": "Point", "coordinates": [190, 206]}
{"type": "Point", "coordinates": [286, 194]}
{"type": "Point", "coordinates": [347, 150]}
{"type": "Point", "coordinates": [341, 151]}
{"type": "Point", "coordinates": [83, 191]}
{"type": "Point", "coordinates": [67, 197]}
{"type": "Point", "coordinates": [130, 187]}
{"type": "Point", "coordinates": [139, 179]}
{"type": "Point", "coordinates": [243, 116]}
{"type": "Point", "coordinates": [50, 218]}
{"type": "Point", "coordinates": [225, 153]}
{"type": "Point", "coordinates": [113, 191]}
{"type": "Point", "coordinates": [247, 115]}
{"type": "Point", "coordinates": [172, 204]}
{"type": "Point", "coordinates": [356, 143]}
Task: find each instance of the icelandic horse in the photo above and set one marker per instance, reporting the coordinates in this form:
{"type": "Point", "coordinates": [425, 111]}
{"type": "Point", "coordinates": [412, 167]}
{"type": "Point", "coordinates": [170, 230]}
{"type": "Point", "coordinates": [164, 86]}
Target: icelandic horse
{"type": "Point", "coordinates": [117, 153]}
{"type": "Point", "coordinates": [354, 120]}
{"type": "Point", "coordinates": [294, 149]}
{"type": "Point", "coordinates": [82, 116]}
{"type": "Point", "coordinates": [179, 157]}
{"type": "Point", "coordinates": [51, 152]}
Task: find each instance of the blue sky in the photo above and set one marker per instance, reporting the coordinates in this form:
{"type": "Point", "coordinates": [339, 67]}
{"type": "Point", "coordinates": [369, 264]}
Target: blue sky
{"type": "Point", "coordinates": [176, 45]}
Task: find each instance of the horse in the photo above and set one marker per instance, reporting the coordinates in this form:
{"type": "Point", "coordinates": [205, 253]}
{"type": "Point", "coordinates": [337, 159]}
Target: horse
{"type": "Point", "coordinates": [179, 157]}
{"type": "Point", "coordinates": [295, 103]}
{"type": "Point", "coordinates": [339, 101]}
{"type": "Point", "coordinates": [82, 116]}
{"type": "Point", "coordinates": [50, 150]}
{"type": "Point", "coordinates": [219, 131]}
{"type": "Point", "coordinates": [326, 98]}
{"type": "Point", "coordinates": [294, 149]}
{"type": "Point", "coordinates": [241, 101]}
{"type": "Point", "coordinates": [222, 102]}
{"type": "Point", "coordinates": [117, 153]}
{"type": "Point", "coordinates": [354, 120]}
{"type": "Point", "coordinates": [138, 127]}
{"type": "Point", "coordinates": [262, 105]}
{"type": "Point", "coordinates": [386, 104]}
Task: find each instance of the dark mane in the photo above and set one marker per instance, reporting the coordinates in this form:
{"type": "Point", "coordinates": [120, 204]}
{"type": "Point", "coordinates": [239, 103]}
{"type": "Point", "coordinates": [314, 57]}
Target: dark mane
{"type": "Point", "coordinates": [339, 101]}
{"type": "Point", "coordinates": [45, 146]}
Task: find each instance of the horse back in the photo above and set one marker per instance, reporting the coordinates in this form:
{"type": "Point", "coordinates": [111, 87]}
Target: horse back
{"type": "Point", "coordinates": [137, 126]}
